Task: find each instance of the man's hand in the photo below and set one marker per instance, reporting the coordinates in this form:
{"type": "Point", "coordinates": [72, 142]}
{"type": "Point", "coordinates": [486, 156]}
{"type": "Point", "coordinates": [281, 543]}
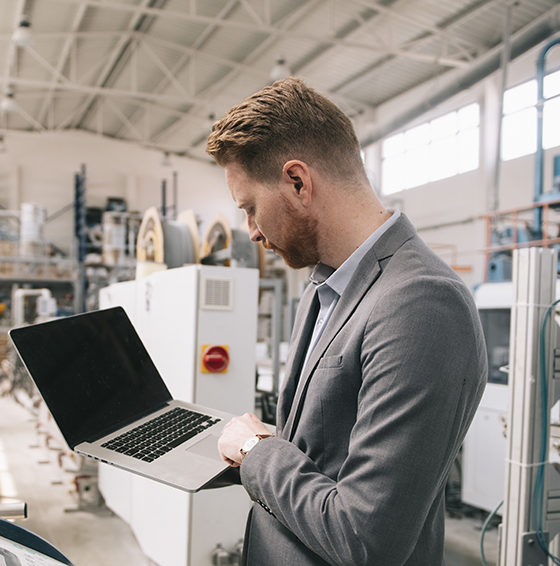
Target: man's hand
{"type": "Point", "coordinates": [235, 434]}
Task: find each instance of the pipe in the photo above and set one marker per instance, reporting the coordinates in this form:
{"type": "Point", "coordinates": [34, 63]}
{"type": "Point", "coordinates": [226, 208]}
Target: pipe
{"type": "Point", "coordinates": [80, 234]}
{"type": "Point", "coordinates": [539, 155]}
{"type": "Point", "coordinates": [506, 54]}
{"type": "Point", "coordinates": [11, 511]}
{"type": "Point", "coordinates": [175, 211]}
{"type": "Point", "coordinates": [163, 198]}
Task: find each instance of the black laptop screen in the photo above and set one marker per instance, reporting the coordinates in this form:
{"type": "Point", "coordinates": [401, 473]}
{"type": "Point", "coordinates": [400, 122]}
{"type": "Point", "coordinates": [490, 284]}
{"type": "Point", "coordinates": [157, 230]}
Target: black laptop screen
{"type": "Point", "coordinates": [93, 372]}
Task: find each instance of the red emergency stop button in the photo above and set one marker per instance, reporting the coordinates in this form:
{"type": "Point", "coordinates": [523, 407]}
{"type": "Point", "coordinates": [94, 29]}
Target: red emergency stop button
{"type": "Point", "coordinates": [215, 359]}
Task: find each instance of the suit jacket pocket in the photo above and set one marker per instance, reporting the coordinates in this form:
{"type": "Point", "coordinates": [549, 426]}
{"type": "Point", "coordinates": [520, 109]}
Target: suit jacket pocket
{"type": "Point", "coordinates": [330, 362]}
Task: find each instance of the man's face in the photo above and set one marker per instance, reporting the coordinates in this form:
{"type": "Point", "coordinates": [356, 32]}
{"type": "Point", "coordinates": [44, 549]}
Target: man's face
{"type": "Point", "coordinates": [274, 218]}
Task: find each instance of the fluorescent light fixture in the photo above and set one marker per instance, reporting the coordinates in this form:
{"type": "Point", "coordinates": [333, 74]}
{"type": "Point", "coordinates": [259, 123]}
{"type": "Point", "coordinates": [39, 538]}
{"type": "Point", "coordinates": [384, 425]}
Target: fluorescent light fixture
{"type": "Point", "coordinates": [22, 35]}
{"type": "Point", "coordinates": [211, 118]}
{"type": "Point", "coordinates": [7, 104]}
{"type": "Point", "coordinates": [166, 161]}
{"type": "Point", "coordinates": [280, 70]}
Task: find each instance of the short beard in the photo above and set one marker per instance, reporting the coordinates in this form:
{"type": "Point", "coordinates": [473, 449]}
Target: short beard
{"type": "Point", "coordinates": [300, 238]}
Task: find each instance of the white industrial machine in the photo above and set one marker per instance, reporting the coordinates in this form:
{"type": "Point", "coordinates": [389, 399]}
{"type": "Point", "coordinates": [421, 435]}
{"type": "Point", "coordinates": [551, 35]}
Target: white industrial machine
{"type": "Point", "coordinates": [484, 447]}
{"type": "Point", "coordinates": [199, 325]}
{"type": "Point", "coordinates": [531, 517]}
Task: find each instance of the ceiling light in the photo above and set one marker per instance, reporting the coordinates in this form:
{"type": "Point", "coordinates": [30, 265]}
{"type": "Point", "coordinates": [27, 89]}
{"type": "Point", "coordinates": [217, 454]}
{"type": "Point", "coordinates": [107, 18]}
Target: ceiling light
{"type": "Point", "coordinates": [166, 161]}
{"type": "Point", "coordinates": [280, 70]}
{"type": "Point", "coordinates": [209, 121]}
{"type": "Point", "coordinates": [22, 35]}
{"type": "Point", "coordinates": [8, 104]}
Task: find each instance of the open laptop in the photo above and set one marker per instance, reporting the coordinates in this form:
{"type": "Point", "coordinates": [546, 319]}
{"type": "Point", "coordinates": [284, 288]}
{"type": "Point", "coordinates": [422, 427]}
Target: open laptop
{"type": "Point", "coordinates": [110, 403]}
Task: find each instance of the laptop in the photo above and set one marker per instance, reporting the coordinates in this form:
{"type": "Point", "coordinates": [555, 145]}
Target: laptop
{"type": "Point", "coordinates": [14, 553]}
{"type": "Point", "coordinates": [110, 403]}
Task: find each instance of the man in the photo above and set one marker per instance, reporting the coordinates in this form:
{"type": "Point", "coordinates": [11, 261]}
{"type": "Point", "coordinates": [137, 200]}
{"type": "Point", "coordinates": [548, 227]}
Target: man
{"type": "Point", "coordinates": [387, 362]}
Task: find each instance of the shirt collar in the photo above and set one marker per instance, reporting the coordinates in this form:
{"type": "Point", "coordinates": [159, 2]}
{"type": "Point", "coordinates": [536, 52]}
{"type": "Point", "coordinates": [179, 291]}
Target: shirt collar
{"type": "Point", "coordinates": [338, 279]}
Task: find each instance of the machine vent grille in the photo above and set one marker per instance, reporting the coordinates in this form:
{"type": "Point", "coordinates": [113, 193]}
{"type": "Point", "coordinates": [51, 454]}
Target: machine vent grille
{"type": "Point", "coordinates": [217, 294]}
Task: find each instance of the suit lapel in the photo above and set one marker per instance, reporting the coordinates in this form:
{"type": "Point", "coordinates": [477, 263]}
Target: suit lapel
{"type": "Point", "coordinates": [344, 308]}
{"type": "Point", "coordinates": [365, 276]}
{"type": "Point", "coordinates": [303, 329]}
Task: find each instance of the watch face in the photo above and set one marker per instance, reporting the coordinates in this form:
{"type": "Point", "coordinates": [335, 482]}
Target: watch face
{"type": "Point", "coordinates": [250, 443]}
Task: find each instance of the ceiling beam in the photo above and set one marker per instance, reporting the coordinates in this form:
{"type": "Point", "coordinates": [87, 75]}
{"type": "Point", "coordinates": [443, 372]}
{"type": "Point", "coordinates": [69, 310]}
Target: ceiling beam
{"type": "Point", "coordinates": [195, 52]}
{"type": "Point", "coordinates": [221, 83]}
{"type": "Point", "coordinates": [122, 117]}
{"type": "Point", "coordinates": [288, 21]}
{"type": "Point", "coordinates": [29, 119]}
{"type": "Point", "coordinates": [364, 75]}
{"type": "Point", "coordinates": [249, 9]}
{"type": "Point", "coordinates": [524, 39]}
{"type": "Point", "coordinates": [120, 52]}
{"type": "Point", "coordinates": [433, 30]}
{"type": "Point", "coordinates": [62, 60]}
{"type": "Point", "coordinates": [63, 35]}
{"type": "Point", "coordinates": [187, 53]}
{"type": "Point", "coordinates": [94, 91]}
{"type": "Point", "coordinates": [269, 30]}
{"type": "Point", "coordinates": [169, 75]}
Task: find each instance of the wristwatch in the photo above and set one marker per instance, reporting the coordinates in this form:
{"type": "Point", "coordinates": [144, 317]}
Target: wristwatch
{"type": "Point", "coordinates": [251, 442]}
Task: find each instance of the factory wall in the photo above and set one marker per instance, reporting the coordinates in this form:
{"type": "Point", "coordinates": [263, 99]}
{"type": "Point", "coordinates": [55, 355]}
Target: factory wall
{"type": "Point", "coordinates": [40, 168]}
{"type": "Point", "coordinates": [449, 213]}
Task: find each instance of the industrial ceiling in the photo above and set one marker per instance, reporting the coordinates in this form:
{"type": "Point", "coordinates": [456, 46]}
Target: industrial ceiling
{"type": "Point", "coordinates": [157, 72]}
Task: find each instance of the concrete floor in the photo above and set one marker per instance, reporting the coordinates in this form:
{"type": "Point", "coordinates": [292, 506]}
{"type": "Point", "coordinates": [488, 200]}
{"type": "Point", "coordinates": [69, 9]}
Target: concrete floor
{"type": "Point", "coordinates": [94, 536]}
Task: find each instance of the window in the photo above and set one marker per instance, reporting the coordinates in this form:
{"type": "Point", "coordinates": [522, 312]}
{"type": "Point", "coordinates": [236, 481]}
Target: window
{"type": "Point", "coordinates": [519, 125]}
{"type": "Point", "coordinates": [434, 150]}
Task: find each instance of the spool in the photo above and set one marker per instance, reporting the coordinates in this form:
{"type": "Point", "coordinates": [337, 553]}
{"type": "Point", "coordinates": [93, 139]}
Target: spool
{"type": "Point", "coordinates": [178, 246]}
{"type": "Point", "coordinates": [169, 243]}
{"type": "Point", "coordinates": [149, 244]}
{"type": "Point", "coordinates": [188, 218]}
{"type": "Point", "coordinates": [217, 237]}
{"type": "Point", "coordinates": [225, 246]}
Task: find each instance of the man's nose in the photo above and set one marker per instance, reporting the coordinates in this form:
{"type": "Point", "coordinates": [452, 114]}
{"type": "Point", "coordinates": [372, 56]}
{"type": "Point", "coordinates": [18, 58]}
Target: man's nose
{"type": "Point", "coordinates": [254, 233]}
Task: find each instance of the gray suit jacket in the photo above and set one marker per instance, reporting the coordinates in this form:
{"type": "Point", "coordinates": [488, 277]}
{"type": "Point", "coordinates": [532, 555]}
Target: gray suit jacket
{"type": "Point", "coordinates": [356, 475]}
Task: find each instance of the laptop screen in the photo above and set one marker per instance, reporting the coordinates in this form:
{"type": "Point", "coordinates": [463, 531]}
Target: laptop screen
{"type": "Point", "coordinates": [93, 372]}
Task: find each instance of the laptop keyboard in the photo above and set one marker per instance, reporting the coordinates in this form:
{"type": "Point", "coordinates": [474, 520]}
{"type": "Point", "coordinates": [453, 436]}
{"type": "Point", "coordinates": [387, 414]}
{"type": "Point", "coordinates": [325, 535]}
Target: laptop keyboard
{"type": "Point", "coordinates": [160, 435]}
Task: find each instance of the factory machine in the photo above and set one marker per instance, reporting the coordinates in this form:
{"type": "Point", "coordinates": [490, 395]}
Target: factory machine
{"type": "Point", "coordinates": [198, 323]}
{"type": "Point", "coordinates": [531, 515]}
{"type": "Point", "coordinates": [484, 447]}
{"type": "Point", "coordinates": [512, 450]}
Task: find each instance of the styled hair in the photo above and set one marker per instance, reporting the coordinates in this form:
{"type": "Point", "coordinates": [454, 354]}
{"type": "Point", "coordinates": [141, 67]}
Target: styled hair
{"type": "Point", "coordinates": [287, 120]}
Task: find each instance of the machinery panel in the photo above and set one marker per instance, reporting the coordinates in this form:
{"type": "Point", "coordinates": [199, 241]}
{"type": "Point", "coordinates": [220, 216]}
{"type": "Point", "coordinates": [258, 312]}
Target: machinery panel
{"type": "Point", "coordinates": [175, 319]}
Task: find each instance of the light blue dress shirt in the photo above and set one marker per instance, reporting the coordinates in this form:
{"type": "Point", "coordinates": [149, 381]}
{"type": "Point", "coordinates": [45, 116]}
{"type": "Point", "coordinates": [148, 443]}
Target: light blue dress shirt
{"type": "Point", "coordinates": [332, 283]}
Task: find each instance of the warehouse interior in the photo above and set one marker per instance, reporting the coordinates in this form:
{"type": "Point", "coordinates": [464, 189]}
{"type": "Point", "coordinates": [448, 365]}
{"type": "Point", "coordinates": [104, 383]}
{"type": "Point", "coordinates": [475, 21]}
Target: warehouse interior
{"type": "Point", "coordinates": [107, 198]}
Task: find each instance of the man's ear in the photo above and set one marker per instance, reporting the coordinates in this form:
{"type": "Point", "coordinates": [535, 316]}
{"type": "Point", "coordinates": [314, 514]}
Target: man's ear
{"type": "Point", "coordinates": [296, 173]}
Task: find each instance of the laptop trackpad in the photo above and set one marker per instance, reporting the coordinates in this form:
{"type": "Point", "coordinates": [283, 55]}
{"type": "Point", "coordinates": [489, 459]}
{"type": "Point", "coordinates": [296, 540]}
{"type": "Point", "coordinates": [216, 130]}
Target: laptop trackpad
{"type": "Point", "coordinates": [207, 447]}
